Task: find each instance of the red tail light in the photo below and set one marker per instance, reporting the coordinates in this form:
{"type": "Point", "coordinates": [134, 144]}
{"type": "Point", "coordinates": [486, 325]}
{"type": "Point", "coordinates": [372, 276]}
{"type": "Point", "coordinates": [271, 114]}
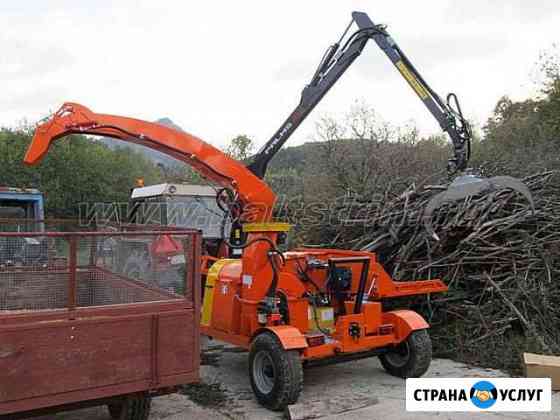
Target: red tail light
{"type": "Point", "coordinates": [314, 340]}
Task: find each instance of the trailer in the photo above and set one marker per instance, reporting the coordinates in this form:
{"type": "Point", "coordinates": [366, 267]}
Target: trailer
{"type": "Point", "coordinates": [76, 332]}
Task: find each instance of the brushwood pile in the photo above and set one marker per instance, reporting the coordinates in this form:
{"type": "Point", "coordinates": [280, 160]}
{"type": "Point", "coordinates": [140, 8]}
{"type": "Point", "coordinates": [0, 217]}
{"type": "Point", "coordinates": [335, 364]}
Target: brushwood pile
{"type": "Point", "coordinates": [499, 257]}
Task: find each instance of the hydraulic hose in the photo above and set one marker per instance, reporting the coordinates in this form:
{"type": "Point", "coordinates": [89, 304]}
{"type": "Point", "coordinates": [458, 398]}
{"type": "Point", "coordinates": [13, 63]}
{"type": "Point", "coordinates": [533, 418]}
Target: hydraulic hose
{"type": "Point", "coordinates": [273, 250]}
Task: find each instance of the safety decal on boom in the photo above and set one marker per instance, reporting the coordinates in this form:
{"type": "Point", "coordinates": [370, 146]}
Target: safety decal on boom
{"type": "Point", "coordinates": [420, 90]}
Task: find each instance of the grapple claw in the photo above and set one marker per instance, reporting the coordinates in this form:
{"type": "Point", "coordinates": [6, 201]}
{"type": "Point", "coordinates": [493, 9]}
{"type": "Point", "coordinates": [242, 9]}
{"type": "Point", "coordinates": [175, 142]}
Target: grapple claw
{"type": "Point", "coordinates": [470, 185]}
{"type": "Point", "coordinates": [515, 184]}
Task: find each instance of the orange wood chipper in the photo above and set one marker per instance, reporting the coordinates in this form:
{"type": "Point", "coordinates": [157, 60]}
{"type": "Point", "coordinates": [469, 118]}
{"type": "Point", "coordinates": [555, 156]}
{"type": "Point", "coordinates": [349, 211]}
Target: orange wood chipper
{"type": "Point", "coordinates": [306, 306]}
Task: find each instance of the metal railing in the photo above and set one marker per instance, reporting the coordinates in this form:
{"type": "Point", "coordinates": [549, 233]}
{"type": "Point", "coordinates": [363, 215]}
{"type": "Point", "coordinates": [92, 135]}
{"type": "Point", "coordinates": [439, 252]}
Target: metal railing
{"type": "Point", "coordinates": [53, 270]}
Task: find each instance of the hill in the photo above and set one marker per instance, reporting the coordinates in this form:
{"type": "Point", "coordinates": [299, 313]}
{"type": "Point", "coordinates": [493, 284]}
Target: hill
{"type": "Point", "coordinates": [157, 158]}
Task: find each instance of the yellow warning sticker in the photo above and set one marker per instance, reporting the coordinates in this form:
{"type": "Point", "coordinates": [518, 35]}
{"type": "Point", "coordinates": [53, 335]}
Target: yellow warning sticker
{"type": "Point", "coordinates": [420, 90]}
{"type": "Point", "coordinates": [208, 300]}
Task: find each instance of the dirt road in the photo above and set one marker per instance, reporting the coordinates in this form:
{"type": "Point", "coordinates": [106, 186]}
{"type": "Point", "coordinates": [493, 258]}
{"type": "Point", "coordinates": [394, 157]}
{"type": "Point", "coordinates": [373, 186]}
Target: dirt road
{"type": "Point", "coordinates": [355, 390]}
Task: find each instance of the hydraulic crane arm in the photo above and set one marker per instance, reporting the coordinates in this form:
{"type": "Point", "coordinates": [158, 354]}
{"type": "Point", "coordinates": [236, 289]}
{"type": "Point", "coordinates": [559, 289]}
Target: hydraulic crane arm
{"type": "Point", "coordinates": [253, 195]}
{"type": "Point", "coordinates": [253, 198]}
{"type": "Point", "coordinates": [337, 60]}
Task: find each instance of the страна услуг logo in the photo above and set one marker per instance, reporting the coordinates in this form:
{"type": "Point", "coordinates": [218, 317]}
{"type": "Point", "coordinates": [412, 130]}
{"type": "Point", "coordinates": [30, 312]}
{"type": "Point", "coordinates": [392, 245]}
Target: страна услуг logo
{"type": "Point", "coordinates": [483, 394]}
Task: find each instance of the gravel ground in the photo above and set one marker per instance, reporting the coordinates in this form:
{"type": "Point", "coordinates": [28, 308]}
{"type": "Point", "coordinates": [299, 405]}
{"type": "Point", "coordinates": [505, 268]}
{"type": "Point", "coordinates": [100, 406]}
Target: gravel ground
{"type": "Point", "coordinates": [354, 390]}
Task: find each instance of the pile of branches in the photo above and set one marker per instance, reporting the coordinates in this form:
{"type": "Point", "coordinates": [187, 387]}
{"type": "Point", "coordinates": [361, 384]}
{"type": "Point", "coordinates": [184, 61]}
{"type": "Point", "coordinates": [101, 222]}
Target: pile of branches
{"type": "Point", "coordinates": [499, 257]}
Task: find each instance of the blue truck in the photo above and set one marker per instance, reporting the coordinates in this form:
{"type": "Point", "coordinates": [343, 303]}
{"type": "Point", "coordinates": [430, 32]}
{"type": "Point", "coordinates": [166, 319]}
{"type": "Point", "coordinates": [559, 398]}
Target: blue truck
{"type": "Point", "coordinates": [22, 210]}
{"type": "Point", "coordinates": [22, 204]}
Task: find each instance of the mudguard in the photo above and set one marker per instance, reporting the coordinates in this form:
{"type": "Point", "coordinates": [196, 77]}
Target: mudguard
{"type": "Point", "coordinates": [404, 322]}
{"type": "Point", "coordinates": [290, 337]}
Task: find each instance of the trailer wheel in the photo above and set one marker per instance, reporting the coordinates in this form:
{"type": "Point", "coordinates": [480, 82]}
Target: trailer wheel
{"type": "Point", "coordinates": [132, 407]}
{"type": "Point", "coordinates": [411, 358]}
{"type": "Point", "coordinates": [276, 374]}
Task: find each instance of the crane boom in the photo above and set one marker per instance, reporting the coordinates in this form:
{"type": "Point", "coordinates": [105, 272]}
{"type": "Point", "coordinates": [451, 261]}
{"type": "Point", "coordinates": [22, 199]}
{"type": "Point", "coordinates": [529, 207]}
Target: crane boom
{"type": "Point", "coordinates": [337, 59]}
{"type": "Point", "coordinates": [255, 200]}
{"type": "Point", "coordinates": [254, 195]}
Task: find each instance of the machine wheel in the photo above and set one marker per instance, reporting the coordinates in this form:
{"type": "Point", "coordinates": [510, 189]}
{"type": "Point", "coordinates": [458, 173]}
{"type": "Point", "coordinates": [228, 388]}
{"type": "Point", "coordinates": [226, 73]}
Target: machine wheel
{"type": "Point", "coordinates": [132, 407]}
{"type": "Point", "coordinates": [411, 358]}
{"type": "Point", "coordinates": [276, 374]}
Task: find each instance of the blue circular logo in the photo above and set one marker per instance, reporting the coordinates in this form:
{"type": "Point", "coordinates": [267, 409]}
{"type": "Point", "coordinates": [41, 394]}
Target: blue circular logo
{"type": "Point", "coordinates": [483, 394]}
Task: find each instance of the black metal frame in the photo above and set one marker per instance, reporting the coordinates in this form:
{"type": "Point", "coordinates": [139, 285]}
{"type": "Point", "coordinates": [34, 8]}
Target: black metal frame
{"type": "Point", "coordinates": [363, 276]}
{"type": "Point", "coordinates": [336, 61]}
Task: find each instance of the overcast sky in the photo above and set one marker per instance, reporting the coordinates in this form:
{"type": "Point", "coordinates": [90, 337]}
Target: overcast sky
{"type": "Point", "coordinates": [221, 68]}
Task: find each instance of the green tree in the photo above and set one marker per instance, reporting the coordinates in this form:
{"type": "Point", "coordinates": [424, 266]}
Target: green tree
{"type": "Point", "coordinates": [549, 108]}
{"type": "Point", "coordinates": [523, 137]}
{"type": "Point", "coordinates": [76, 169]}
{"type": "Point", "coordinates": [240, 147]}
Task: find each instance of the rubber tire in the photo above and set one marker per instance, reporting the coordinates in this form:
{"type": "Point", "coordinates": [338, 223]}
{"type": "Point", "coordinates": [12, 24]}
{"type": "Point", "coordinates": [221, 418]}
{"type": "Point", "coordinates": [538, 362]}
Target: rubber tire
{"type": "Point", "coordinates": [132, 407]}
{"type": "Point", "coordinates": [287, 363]}
{"type": "Point", "coordinates": [420, 356]}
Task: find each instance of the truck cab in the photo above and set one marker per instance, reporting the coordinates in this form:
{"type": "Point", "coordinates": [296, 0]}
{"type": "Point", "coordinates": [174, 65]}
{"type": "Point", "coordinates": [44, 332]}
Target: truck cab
{"type": "Point", "coordinates": [168, 205]}
{"type": "Point", "coordinates": [183, 206]}
{"type": "Point", "coordinates": [22, 210]}
{"type": "Point", "coordinates": [24, 207]}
